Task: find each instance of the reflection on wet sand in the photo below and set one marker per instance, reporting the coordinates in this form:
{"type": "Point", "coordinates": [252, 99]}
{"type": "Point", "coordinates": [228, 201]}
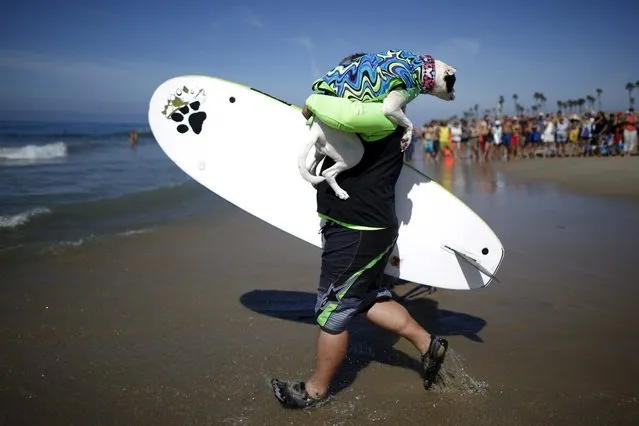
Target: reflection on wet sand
{"type": "Point", "coordinates": [589, 177]}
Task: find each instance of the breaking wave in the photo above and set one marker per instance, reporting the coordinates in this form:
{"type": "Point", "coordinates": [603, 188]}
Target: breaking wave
{"type": "Point", "coordinates": [34, 152]}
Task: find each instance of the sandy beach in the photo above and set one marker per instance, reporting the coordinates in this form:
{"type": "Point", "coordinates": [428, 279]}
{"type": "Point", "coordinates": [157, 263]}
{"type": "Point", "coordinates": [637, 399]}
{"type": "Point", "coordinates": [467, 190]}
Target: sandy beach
{"type": "Point", "coordinates": [186, 324]}
{"type": "Point", "coordinates": [610, 176]}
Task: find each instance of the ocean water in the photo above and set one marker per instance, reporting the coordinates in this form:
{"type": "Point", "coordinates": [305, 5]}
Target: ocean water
{"type": "Point", "coordinates": [64, 183]}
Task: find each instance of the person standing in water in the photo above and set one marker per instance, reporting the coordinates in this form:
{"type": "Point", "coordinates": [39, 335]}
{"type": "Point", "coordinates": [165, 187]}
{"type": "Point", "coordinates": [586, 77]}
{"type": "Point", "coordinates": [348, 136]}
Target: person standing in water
{"type": "Point", "coordinates": [133, 138]}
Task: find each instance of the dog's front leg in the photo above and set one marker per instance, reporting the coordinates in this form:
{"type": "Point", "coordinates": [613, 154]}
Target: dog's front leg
{"type": "Point", "coordinates": [393, 107]}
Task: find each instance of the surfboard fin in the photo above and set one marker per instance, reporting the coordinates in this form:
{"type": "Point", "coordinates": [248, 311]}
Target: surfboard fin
{"type": "Point", "coordinates": [471, 261]}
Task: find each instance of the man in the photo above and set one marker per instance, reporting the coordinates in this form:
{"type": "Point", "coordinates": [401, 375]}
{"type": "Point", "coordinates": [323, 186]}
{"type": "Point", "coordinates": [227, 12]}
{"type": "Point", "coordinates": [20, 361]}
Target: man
{"type": "Point", "coordinates": [359, 235]}
{"type": "Point", "coordinates": [562, 135]}
{"type": "Point", "coordinates": [630, 133]}
{"type": "Point", "coordinates": [494, 139]}
{"type": "Point", "coordinates": [415, 139]}
{"type": "Point", "coordinates": [133, 138]}
{"type": "Point", "coordinates": [485, 138]}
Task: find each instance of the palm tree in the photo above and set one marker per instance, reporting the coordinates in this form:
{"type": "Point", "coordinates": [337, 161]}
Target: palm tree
{"type": "Point", "coordinates": [599, 92]}
{"type": "Point", "coordinates": [560, 104]}
{"type": "Point", "coordinates": [500, 105]}
{"type": "Point", "coordinates": [591, 101]}
{"type": "Point", "coordinates": [476, 108]}
{"type": "Point", "coordinates": [581, 102]}
{"type": "Point", "coordinates": [630, 87]}
{"type": "Point", "coordinates": [515, 97]}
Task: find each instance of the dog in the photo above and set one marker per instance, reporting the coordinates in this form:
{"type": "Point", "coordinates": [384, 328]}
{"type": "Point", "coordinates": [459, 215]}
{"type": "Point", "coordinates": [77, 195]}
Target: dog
{"type": "Point", "coordinates": [394, 78]}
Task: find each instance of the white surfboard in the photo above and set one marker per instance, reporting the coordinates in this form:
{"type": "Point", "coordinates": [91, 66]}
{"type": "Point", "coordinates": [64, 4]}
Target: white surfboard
{"type": "Point", "coordinates": [243, 144]}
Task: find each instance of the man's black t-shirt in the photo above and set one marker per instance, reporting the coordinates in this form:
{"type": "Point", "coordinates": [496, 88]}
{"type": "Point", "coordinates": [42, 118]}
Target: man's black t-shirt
{"type": "Point", "coordinates": [370, 186]}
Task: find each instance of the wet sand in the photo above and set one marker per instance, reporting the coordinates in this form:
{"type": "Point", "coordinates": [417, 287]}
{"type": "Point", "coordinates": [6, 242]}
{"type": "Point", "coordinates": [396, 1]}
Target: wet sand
{"type": "Point", "coordinates": [186, 325]}
{"type": "Point", "coordinates": [608, 176]}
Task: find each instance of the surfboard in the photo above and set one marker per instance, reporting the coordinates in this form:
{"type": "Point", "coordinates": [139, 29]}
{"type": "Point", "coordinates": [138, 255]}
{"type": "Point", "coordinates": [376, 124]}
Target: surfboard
{"type": "Point", "coordinates": [242, 144]}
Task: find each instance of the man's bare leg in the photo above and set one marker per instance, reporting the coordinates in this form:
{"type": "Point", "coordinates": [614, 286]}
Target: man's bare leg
{"type": "Point", "coordinates": [332, 348]}
{"type": "Point", "coordinates": [394, 317]}
{"type": "Point", "coordinates": [331, 351]}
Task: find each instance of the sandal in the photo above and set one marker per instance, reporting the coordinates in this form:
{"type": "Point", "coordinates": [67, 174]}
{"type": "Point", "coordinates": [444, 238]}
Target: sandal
{"type": "Point", "coordinates": [294, 395]}
{"type": "Point", "coordinates": [432, 360]}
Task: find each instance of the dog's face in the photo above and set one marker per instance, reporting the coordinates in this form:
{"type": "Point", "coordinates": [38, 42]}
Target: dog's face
{"type": "Point", "coordinates": [444, 81]}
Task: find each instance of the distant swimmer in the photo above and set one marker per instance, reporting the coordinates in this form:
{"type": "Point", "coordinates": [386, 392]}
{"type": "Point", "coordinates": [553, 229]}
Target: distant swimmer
{"type": "Point", "coordinates": [133, 138]}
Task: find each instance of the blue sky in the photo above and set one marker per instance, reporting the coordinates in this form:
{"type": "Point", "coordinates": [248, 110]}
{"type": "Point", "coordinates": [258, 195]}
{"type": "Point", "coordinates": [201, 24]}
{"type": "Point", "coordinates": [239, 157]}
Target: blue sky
{"type": "Point", "coordinates": [103, 59]}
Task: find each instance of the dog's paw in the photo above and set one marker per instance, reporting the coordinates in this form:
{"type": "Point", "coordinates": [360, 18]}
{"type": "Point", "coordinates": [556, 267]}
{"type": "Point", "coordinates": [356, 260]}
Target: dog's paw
{"type": "Point", "coordinates": [406, 138]}
{"type": "Point", "coordinates": [195, 118]}
{"type": "Point", "coordinates": [405, 144]}
{"type": "Point", "coordinates": [341, 194]}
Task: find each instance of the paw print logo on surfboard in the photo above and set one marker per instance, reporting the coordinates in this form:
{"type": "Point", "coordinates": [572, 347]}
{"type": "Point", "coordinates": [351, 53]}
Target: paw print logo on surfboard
{"type": "Point", "coordinates": [184, 108]}
{"type": "Point", "coordinates": [195, 118]}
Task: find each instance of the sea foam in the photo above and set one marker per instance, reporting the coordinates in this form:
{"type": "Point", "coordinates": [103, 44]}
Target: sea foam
{"type": "Point", "coordinates": [34, 152]}
{"type": "Point", "coordinates": [13, 221]}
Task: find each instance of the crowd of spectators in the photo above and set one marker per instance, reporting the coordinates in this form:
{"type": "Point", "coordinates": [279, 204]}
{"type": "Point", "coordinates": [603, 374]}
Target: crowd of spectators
{"type": "Point", "coordinates": [527, 137]}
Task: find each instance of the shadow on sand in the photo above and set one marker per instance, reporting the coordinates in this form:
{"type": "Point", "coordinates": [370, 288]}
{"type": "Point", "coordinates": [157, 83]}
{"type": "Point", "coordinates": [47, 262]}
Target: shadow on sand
{"type": "Point", "coordinates": [370, 343]}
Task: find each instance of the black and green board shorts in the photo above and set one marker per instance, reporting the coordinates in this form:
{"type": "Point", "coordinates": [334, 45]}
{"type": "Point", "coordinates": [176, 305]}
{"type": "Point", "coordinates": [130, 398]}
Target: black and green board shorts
{"type": "Point", "coordinates": [352, 273]}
